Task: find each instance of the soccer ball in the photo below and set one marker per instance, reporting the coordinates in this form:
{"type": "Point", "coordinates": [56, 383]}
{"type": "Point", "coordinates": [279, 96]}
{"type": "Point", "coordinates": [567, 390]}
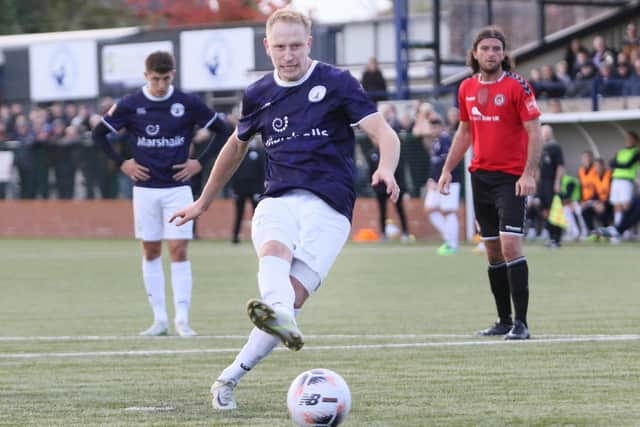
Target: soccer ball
{"type": "Point", "coordinates": [318, 397]}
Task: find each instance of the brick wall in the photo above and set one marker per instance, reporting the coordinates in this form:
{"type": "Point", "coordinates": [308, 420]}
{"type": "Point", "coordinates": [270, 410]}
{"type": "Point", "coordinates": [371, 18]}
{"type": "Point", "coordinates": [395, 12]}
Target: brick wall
{"type": "Point", "coordinates": [114, 218]}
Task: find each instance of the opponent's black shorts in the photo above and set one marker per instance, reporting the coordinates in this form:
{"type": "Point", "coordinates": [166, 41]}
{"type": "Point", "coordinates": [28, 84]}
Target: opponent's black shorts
{"type": "Point", "coordinates": [498, 209]}
{"type": "Point", "coordinates": [545, 193]}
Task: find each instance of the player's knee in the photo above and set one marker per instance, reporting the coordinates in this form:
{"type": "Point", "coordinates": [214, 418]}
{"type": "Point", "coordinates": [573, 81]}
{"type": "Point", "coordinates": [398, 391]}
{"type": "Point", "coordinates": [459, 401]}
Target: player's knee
{"type": "Point", "coordinates": [305, 281]}
{"type": "Point", "coordinates": [275, 248]}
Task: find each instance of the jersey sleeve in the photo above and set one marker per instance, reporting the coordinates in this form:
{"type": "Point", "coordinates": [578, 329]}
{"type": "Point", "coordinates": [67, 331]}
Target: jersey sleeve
{"type": "Point", "coordinates": [202, 115]}
{"type": "Point", "coordinates": [248, 123]}
{"type": "Point", "coordinates": [118, 116]}
{"type": "Point", "coordinates": [526, 101]}
{"type": "Point", "coordinates": [355, 100]}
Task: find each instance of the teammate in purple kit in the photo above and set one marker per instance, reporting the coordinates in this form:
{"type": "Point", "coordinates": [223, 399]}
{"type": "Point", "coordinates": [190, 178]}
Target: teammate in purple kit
{"type": "Point", "coordinates": [161, 120]}
{"type": "Point", "coordinates": [305, 112]}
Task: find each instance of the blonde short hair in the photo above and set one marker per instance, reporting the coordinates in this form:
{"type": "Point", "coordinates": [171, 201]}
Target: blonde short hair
{"type": "Point", "coordinates": [288, 14]}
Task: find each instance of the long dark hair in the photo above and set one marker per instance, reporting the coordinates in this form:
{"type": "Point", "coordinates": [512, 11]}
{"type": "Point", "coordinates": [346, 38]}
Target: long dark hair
{"type": "Point", "coordinates": [490, 32]}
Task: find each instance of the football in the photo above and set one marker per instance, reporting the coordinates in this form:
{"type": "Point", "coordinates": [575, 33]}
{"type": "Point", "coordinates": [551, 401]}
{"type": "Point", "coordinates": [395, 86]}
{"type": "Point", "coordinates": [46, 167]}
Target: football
{"type": "Point", "coordinates": [318, 397]}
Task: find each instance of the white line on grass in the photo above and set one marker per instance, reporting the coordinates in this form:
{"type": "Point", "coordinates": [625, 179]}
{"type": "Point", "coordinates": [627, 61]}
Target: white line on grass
{"type": "Point", "coordinates": [594, 338]}
{"type": "Point", "coordinates": [150, 409]}
{"type": "Point", "coordinates": [234, 337]}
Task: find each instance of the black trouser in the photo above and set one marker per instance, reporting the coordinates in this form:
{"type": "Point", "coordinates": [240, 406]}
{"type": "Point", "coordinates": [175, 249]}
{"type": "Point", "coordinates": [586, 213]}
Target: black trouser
{"type": "Point", "coordinates": [240, 200]}
{"type": "Point", "coordinates": [631, 216]}
{"type": "Point", "coordinates": [590, 215]}
{"type": "Point", "coordinates": [382, 205]}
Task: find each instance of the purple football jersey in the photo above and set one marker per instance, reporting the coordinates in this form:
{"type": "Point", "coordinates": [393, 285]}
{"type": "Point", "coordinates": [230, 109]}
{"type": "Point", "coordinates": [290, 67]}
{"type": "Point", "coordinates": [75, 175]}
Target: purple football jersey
{"type": "Point", "coordinates": [307, 130]}
{"type": "Point", "coordinates": [160, 130]}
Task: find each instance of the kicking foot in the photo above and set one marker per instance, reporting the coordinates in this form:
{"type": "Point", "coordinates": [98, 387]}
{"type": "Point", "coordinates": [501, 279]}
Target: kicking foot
{"type": "Point", "coordinates": [276, 322]}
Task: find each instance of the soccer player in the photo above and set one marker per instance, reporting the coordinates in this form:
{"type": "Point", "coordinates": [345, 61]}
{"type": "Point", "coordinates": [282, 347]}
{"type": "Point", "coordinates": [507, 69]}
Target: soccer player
{"type": "Point", "coordinates": [551, 172]}
{"type": "Point", "coordinates": [442, 210]}
{"type": "Point", "coordinates": [499, 116]}
{"type": "Point", "coordinates": [305, 112]}
{"type": "Point", "coordinates": [161, 120]}
{"type": "Point", "coordinates": [625, 166]}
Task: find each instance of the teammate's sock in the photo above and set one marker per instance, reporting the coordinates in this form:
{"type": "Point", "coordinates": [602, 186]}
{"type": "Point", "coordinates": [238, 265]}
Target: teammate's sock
{"type": "Point", "coordinates": [451, 230]}
{"type": "Point", "coordinates": [518, 272]}
{"type": "Point", "coordinates": [181, 282]}
{"type": "Point", "coordinates": [617, 217]}
{"type": "Point", "coordinates": [499, 282]}
{"type": "Point", "coordinates": [274, 282]}
{"type": "Point", "coordinates": [437, 219]}
{"type": "Point", "coordinates": [259, 345]}
{"type": "Point", "coordinates": [153, 277]}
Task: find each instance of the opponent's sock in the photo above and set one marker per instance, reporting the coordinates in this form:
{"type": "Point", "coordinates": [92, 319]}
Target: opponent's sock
{"type": "Point", "coordinates": [518, 272]}
{"type": "Point", "coordinates": [153, 277]}
{"type": "Point", "coordinates": [499, 282]}
{"type": "Point", "coordinates": [181, 282]}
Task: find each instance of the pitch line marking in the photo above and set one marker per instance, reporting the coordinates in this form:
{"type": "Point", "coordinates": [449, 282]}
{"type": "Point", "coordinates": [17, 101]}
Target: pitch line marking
{"type": "Point", "coordinates": [233, 337]}
{"type": "Point", "coordinates": [594, 338]}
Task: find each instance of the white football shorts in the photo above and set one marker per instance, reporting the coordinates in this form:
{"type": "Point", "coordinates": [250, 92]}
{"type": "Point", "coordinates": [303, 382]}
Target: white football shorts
{"type": "Point", "coordinates": [621, 191]}
{"type": "Point", "coordinates": [152, 208]}
{"type": "Point", "coordinates": [446, 203]}
{"type": "Point", "coordinates": [313, 231]}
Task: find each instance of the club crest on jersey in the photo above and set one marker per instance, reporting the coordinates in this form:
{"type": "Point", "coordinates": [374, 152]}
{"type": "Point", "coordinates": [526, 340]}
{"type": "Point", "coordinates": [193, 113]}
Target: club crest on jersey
{"type": "Point", "coordinates": [317, 93]}
{"type": "Point", "coordinates": [141, 111]}
{"type": "Point", "coordinates": [498, 99]}
{"type": "Point", "coordinates": [152, 130]}
{"type": "Point", "coordinates": [177, 110]}
{"type": "Point", "coordinates": [280, 124]}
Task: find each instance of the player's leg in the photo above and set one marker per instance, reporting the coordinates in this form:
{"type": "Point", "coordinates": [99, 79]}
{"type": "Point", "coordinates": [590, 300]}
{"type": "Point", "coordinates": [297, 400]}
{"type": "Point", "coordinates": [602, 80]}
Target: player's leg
{"type": "Point", "coordinates": [432, 207]}
{"type": "Point", "coordinates": [512, 212]}
{"type": "Point", "coordinates": [147, 215]}
{"type": "Point", "coordinates": [177, 240]}
{"type": "Point", "coordinates": [488, 220]}
{"type": "Point", "coordinates": [449, 205]}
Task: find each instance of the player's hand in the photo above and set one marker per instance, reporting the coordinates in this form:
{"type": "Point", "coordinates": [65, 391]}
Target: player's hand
{"type": "Point", "coordinates": [193, 211]}
{"type": "Point", "coordinates": [386, 178]}
{"type": "Point", "coordinates": [526, 186]}
{"type": "Point", "coordinates": [443, 183]}
{"type": "Point", "coordinates": [186, 170]}
{"type": "Point", "coordinates": [134, 170]}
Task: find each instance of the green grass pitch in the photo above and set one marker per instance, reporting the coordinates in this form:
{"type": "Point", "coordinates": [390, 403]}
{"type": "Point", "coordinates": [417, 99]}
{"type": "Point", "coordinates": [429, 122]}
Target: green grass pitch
{"type": "Point", "coordinates": [396, 321]}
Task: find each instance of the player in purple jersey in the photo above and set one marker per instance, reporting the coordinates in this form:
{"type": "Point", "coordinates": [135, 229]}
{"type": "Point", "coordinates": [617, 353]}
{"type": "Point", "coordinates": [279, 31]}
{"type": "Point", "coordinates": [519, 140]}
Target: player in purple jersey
{"type": "Point", "coordinates": [305, 112]}
{"type": "Point", "coordinates": [160, 120]}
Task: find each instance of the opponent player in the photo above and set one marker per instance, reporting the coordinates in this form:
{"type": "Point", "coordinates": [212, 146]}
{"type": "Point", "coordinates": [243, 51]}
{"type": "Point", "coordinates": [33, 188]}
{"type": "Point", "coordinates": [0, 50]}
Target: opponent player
{"type": "Point", "coordinates": [499, 116]}
{"type": "Point", "coordinates": [305, 112]}
{"type": "Point", "coordinates": [161, 120]}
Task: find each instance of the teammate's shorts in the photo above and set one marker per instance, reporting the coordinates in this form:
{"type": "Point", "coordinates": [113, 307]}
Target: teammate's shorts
{"type": "Point", "coordinates": [498, 209]}
{"type": "Point", "coordinates": [446, 203]}
{"type": "Point", "coordinates": [621, 191]}
{"type": "Point", "coordinates": [152, 208]}
{"type": "Point", "coordinates": [307, 225]}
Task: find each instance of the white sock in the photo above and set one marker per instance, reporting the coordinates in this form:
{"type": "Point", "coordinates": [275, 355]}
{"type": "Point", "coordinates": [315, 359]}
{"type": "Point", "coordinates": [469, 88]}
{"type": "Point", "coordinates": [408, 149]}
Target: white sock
{"type": "Point", "coordinates": [181, 282]}
{"type": "Point", "coordinates": [438, 222]}
{"type": "Point", "coordinates": [572, 230]}
{"type": "Point", "coordinates": [274, 282]}
{"type": "Point", "coordinates": [617, 217]}
{"type": "Point", "coordinates": [451, 230]}
{"type": "Point", "coordinates": [259, 345]}
{"type": "Point", "coordinates": [153, 277]}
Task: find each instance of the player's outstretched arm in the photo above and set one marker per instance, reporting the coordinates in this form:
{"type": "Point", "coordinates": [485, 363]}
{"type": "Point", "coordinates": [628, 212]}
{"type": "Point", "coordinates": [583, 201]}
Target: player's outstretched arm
{"type": "Point", "coordinates": [526, 184]}
{"type": "Point", "coordinates": [459, 146]}
{"type": "Point", "coordinates": [387, 140]}
{"type": "Point", "coordinates": [223, 169]}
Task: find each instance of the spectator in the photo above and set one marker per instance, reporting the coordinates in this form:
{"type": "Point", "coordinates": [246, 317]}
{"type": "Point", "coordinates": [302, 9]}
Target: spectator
{"type": "Point", "coordinates": [549, 86]}
{"type": "Point", "coordinates": [25, 157]}
{"type": "Point", "coordinates": [608, 84]}
{"type": "Point", "coordinates": [373, 81]}
{"type": "Point", "coordinates": [632, 84]}
{"type": "Point", "coordinates": [596, 186]}
{"type": "Point", "coordinates": [601, 53]}
{"type": "Point", "coordinates": [247, 184]}
{"type": "Point", "coordinates": [630, 40]}
{"type": "Point", "coordinates": [561, 69]}
{"type": "Point", "coordinates": [571, 55]}
{"type": "Point", "coordinates": [625, 167]}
